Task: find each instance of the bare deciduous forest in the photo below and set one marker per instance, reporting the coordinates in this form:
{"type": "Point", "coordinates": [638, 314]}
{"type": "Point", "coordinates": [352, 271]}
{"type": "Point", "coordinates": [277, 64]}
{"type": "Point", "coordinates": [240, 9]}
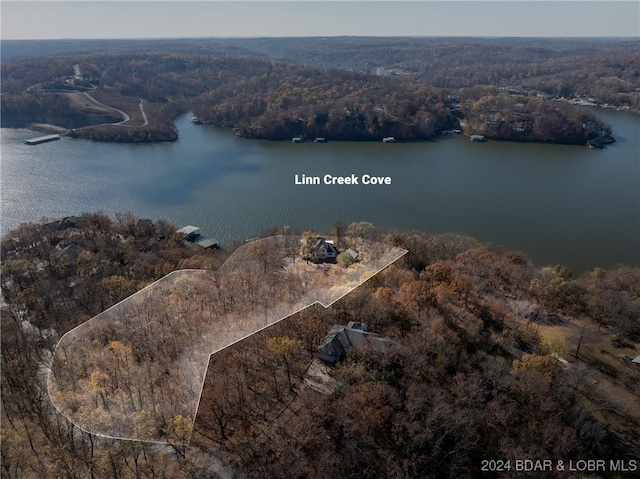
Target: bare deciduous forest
{"type": "Point", "coordinates": [360, 89]}
{"type": "Point", "coordinates": [492, 358]}
{"type": "Point", "coordinates": [136, 370]}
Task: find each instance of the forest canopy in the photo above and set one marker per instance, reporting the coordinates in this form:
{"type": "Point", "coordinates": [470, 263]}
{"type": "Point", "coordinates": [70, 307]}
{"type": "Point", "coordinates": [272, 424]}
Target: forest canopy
{"type": "Point", "coordinates": [475, 372]}
{"type": "Point", "coordinates": [349, 89]}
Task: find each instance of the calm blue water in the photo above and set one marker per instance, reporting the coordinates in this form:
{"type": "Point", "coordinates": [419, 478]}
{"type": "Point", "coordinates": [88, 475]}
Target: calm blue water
{"type": "Point", "coordinates": [558, 204]}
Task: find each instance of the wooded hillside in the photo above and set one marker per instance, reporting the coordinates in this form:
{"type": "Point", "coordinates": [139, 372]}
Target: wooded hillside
{"type": "Point", "coordinates": [349, 89]}
{"type": "Point", "coordinates": [472, 375]}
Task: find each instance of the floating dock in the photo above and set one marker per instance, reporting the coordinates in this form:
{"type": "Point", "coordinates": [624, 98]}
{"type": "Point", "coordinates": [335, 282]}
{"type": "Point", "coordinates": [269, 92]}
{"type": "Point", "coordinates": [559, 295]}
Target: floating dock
{"type": "Point", "coordinates": [42, 139]}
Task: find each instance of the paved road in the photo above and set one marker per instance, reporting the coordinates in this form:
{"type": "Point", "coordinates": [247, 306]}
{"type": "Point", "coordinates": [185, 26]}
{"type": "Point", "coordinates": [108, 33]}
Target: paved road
{"type": "Point", "coordinates": [126, 118]}
{"type": "Point", "coordinates": [124, 115]}
{"type": "Point", "coordinates": [144, 115]}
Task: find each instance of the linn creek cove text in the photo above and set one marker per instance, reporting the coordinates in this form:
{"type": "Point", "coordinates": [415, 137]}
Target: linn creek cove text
{"type": "Point", "coordinates": [342, 180]}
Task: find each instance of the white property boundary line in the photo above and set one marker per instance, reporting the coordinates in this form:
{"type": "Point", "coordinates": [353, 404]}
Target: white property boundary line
{"type": "Point", "coordinates": [282, 319]}
{"type": "Point", "coordinates": [398, 253]}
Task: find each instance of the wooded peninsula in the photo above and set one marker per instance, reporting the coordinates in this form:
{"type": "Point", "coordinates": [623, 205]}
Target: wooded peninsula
{"type": "Point", "coordinates": [485, 357]}
{"type": "Point", "coordinates": [339, 88]}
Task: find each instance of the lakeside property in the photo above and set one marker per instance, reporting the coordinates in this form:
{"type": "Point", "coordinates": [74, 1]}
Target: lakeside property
{"type": "Point", "coordinates": [383, 91]}
{"type": "Point", "coordinates": [517, 194]}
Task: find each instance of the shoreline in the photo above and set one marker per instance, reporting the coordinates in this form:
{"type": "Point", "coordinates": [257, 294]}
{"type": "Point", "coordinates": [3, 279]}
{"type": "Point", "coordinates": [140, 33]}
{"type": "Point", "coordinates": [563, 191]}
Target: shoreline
{"type": "Point", "coordinates": [148, 138]}
{"type": "Point", "coordinates": [48, 128]}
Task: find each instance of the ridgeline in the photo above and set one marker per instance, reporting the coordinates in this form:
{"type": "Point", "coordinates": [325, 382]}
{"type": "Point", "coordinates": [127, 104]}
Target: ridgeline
{"type": "Point", "coordinates": [358, 90]}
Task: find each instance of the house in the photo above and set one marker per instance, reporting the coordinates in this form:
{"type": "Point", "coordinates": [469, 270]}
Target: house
{"type": "Point", "coordinates": [65, 223]}
{"type": "Point", "coordinates": [325, 249]}
{"type": "Point", "coordinates": [353, 335]}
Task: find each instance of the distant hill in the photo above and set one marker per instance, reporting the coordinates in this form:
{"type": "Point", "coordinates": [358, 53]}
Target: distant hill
{"type": "Point", "coordinates": [347, 88]}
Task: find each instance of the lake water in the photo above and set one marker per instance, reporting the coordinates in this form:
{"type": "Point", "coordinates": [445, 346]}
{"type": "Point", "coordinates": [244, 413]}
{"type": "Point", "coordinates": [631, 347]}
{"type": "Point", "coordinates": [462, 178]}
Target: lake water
{"type": "Point", "coordinates": [558, 204]}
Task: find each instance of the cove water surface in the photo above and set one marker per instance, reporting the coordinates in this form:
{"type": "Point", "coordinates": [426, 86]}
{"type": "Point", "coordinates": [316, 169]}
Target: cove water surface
{"type": "Point", "coordinates": [558, 204]}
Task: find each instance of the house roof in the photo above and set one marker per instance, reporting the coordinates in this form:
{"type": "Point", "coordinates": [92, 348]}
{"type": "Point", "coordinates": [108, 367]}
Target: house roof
{"type": "Point", "coordinates": [331, 347]}
{"type": "Point", "coordinates": [354, 335]}
{"type": "Point", "coordinates": [356, 325]}
{"type": "Point", "coordinates": [70, 252]}
{"type": "Point", "coordinates": [327, 243]}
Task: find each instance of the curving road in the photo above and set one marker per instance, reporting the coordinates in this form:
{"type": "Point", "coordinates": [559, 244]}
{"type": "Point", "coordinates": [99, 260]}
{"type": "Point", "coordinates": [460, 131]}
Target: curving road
{"type": "Point", "coordinates": [124, 115]}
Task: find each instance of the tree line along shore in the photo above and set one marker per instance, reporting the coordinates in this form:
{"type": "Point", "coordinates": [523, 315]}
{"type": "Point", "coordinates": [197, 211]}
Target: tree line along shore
{"type": "Point", "coordinates": [409, 90]}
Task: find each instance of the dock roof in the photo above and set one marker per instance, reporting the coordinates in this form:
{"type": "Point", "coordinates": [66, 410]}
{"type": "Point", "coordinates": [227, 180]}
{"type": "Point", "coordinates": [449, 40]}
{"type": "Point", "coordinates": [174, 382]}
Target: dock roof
{"type": "Point", "coordinates": [189, 230]}
{"type": "Point", "coordinates": [208, 243]}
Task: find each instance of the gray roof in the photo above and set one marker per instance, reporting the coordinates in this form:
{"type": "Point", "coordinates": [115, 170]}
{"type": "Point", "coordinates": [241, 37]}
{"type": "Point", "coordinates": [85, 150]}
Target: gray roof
{"type": "Point", "coordinates": [207, 243]}
{"type": "Point", "coordinates": [354, 254]}
{"type": "Point", "coordinates": [354, 335]}
{"type": "Point", "coordinates": [355, 325]}
{"type": "Point", "coordinates": [188, 230]}
{"type": "Point", "coordinates": [70, 252]}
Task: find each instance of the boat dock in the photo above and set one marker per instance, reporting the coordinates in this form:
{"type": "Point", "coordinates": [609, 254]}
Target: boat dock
{"type": "Point", "coordinates": [194, 238]}
{"type": "Point", "coordinates": [42, 139]}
